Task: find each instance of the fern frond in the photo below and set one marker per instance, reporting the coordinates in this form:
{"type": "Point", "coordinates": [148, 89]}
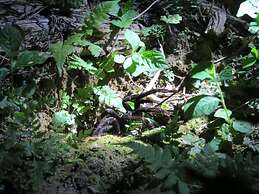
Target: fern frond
{"type": "Point", "coordinates": [159, 161]}
{"type": "Point", "coordinates": [100, 14]}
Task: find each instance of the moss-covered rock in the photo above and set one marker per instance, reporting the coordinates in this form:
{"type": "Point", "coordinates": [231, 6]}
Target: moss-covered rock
{"type": "Point", "coordinates": [102, 164]}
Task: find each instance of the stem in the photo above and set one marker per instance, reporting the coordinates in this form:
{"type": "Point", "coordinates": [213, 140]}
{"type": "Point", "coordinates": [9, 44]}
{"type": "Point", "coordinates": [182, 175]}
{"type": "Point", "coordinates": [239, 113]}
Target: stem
{"type": "Point", "coordinates": [221, 94]}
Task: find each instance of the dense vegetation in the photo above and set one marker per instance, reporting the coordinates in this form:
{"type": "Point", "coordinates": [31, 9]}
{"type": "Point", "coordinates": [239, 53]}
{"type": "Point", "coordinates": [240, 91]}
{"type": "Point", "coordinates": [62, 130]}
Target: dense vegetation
{"type": "Point", "coordinates": [138, 97]}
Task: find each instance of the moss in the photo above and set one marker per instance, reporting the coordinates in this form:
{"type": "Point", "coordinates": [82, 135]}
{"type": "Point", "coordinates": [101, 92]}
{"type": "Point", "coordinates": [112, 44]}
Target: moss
{"type": "Point", "coordinates": [101, 166]}
{"type": "Point", "coordinates": [195, 125]}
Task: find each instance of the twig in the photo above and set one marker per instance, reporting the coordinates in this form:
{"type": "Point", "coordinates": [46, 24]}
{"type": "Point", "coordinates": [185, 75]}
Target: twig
{"type": "Point", "coordinates": [149, 7]}
{"type": "Point", "coordinates": [180, 86]}
{"type": "Point", "coordinates": [144, 94]}
{"type": "Point", "coordinates": [152, 81]}
{"type": "Point", "coordinates": [219, 60]}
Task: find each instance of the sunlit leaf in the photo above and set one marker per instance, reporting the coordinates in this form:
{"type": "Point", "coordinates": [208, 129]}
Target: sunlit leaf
{"type": "Point", "coordinates": [125, 20]}
{"type": "Point", "coordinates": [62, 118]}
{"type": "Point", "coordinates": [172, 19]}
{"type": "Point", "coordinates": [249, 7]}
{"type": "Point", "coordinates": [200, 106]}
{"type": "Point", "coordinates": [119, 59]}
{"type": "Point", "coordinates": [109, 97]}
{"type": "Point", "coordinates": [222, 113]}
{"type": "Point", "coordinates": [78, 63]}
{"type": "Point", "coordinates": [133, 39]}
{"type": "Point", "coordinates": [95, 50]}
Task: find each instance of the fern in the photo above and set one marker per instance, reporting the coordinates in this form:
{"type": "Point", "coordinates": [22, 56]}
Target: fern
{"type": "Point", "coordinates": [100, 14]}
{"type": "Point", "coordinates": [161, 163]}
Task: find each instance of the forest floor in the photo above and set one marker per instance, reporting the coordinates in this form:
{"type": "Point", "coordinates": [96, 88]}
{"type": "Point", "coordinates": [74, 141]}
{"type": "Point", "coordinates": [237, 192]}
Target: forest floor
{"type": "Point", "coordinates": [130, 97]}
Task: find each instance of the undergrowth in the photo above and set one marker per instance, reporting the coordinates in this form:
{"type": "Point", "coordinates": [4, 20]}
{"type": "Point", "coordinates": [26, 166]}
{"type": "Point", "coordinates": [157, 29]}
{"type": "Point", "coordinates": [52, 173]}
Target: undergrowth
{"type": "Point", "coordinates": [206, 143]}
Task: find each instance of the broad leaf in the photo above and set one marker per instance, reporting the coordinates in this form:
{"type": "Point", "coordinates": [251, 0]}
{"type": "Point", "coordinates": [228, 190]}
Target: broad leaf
{"type": "Point", "coordinates": [242, 126]}
{"type": "Point", "coordinates": [222, 113]}
{"type": "Point", "coordinates": [203, 75]}
{"type": "Point", "coordinates": [109, 97]}
{"type": "Point", "coordinates": [30, 58]}
{"type": "Point", "coordinates": [133, 39]}
{"type": "Point", "coordinates": [200, 106]}
{"type": "Point", "coordinates": [202, 72]}
{"type": "Point", "coordinates": [254, 28]}
{"type": "Point", "coordinates": [249, 7]}
{"type": "Point", "coordinates": [10, 40]}
{"type": "Point", "coordinates": [119, 59]}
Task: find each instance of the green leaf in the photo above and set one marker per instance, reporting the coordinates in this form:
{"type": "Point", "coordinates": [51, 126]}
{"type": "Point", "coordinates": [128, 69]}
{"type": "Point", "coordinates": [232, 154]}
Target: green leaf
{"type": "Point", "coordinates": [222, 113]}
{"type": "Point", "coordinates": [30, 58]}
{"type": "Point", "coordinates": [63, 118]}
{"type": "Point", "coordinates": [3, 72]}
{"type": "Point", "coordinates": [226, 74]}
{"type": "Point", "coordinates": [255, 53]}
{"type": "Point", "coordinates": [200, 106]}
{"type": "Point", "coordinates": [10, 40]}
{"type": "Point", "coordinates": [21, 117]}
{"type": "Point", "coordinates": [155, 30]}
{"type": "Point", "coordinates": [78, 63]}
{"type": "Point", "coordinates": [100, 13]}
{"type": "Point", "coordinates": [202, 72]}
{"type": "Point", "coordinates": [131, 105]}
{"type": "Point", "coordinates": [109, 97]}
{"type": "Point", "coordinates": [254, 28]}
{"type": "Point", "coordinates": [148, 62]}
{"type": "Point", "coordinates": [249, 62]}
{"type": "Point", "coordinates": [183, 188]}
{"type": "Point", "coordinates": [242, 126]}
{"type": "Point", "coordinates": [95, 50]}
{"type": "Point", "coordinates": [108, 64]}
{"type": "Point", "coordinates": [172, 19]}
{"type": "Point", "coordinates": [60, 52]}
{"type": "Point", "coordinates": [133, 39]}
{"type": "Point", "coordinates": [203, 75]}
{"type": "Point", "coordinates": [119, 59]}
{"type": "Point", "coordinates": [249, 7]}
{"type": "Point", "coordinates": [125, 20]}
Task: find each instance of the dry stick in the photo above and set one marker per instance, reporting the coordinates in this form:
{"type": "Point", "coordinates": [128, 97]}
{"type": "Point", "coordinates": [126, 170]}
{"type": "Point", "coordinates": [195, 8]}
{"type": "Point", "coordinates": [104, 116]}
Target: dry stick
{"type": "Point", "coordinates": [180, 86]}
{"type": "Point", "coordinates": [149, 7]}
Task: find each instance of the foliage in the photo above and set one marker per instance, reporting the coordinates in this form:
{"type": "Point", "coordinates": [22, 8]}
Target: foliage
{"type": "Point", "coordinates": [172, 19]}
{"type": "Point", "coordinates": [109, 97]}
{"type": "Point", "coordinates": [202, 138]}
{"type": "Point", "coordinates": [164, 167]}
